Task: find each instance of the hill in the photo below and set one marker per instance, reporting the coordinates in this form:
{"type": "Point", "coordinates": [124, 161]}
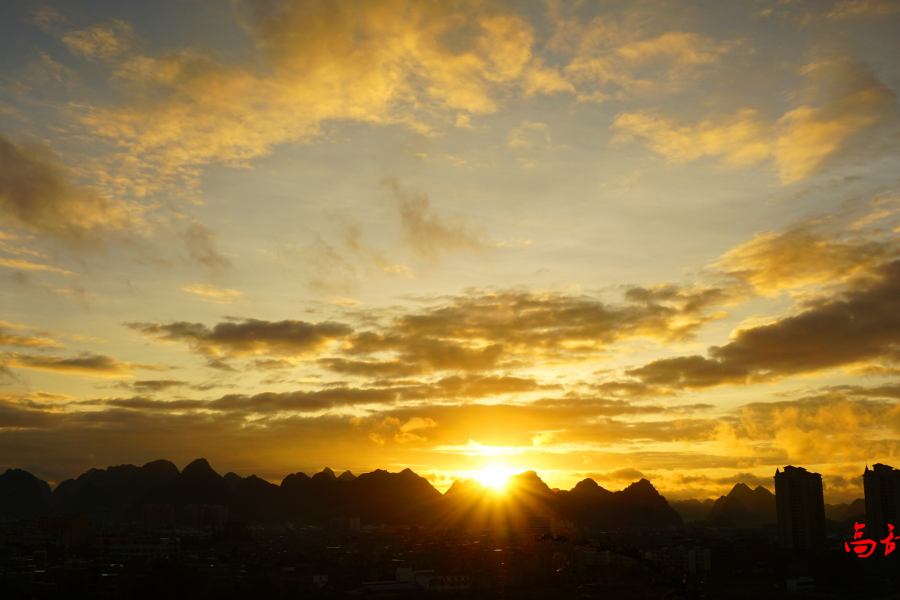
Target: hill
{"type": "Point", "coordinates": [403, 498]}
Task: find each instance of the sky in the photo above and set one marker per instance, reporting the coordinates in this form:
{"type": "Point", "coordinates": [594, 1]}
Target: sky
{"type": "Point", "coordinates": [589, 238]}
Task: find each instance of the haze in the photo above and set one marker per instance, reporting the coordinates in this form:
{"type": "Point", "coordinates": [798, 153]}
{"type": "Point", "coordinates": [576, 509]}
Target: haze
{"type": "Point", "coordinates": [591, 239]}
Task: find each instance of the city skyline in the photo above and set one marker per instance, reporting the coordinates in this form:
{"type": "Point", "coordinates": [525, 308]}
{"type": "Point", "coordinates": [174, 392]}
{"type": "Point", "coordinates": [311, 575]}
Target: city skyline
{"type": "Point", "coordinates": [611, 241]}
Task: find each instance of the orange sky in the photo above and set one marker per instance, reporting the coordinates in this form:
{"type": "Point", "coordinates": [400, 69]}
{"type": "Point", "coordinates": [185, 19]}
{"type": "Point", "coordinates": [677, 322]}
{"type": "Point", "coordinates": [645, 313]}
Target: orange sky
{"type": "Point", "coordinates": [604, 239]}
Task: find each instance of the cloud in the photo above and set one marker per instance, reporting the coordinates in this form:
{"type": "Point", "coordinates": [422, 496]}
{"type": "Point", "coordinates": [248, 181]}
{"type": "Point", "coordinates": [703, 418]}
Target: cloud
{"type": "Point", "coordinates": [211, 293]}
{"type": "Point", "coordinates": [620, 474]}
{"type": "Point", "coordinates": [425, 231]}
{"type": "Point", "coordinates": [382, 62]}
{"type": "Point", "coordinates": [750, 479]}
{"type": "Point", "coordinates": [24, 265]}
{"type": "Point", "coordinates": [850, 100]}
{"type": "Point", "coordinates": [263, 403]}
{"type": "Point", "coordinates": [248, 337]}
{"type": "Point", "coordinates": [201, 246]}
{"type": "Point", "coordinates": [524, 136]}
{"type": "Point", "coordinates": [25, 341]}
{"type": "Point", "coordinates": [740, 139]}
{"type": "Point", "coordinates": [94, 365]}
{"type": "Point", "coordinates": [31, 436]}
{"type": "Point", "coordinates": [851, 9]}
{"type": "Point", "coordinates": [413, 424]}
{"type": "Point", "coordinates": [853, 327]}
{"type": "Point", "coordinates": [105, 41]}
{"type": "Point", "coordinates": [46, 17]}
{"type": "Point", "coordinates": [619, 57]}
{"type": "Point", "coordinates": [543, 439]}
{"type": "Point", "coordinates": [477, 331]}
{"type": "Point", "coordinates": [819, 251]}
{"type": "Point", "coordinates": [856, 100]}
{"type": "Point", "coordinates": [156, 385]}
{"type": "Point", "coordinates": [831, 427]}
{"type": "Point", "coordinates": [36, 194]}
{"type": "Point", "coordinates": [681, 49]}
{"type": "Point", "coordinates": [519, 324]}
{"type": "Point", "coordinates": [279, 425]}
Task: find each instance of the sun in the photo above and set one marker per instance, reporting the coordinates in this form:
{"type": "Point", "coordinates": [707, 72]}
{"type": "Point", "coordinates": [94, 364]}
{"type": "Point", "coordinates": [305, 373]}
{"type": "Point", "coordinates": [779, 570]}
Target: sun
{"type": "Point", "coordinates": [494, 477]}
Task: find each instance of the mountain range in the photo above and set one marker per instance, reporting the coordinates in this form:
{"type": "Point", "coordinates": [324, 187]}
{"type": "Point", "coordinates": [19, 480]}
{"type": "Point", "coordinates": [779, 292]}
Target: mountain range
{"type": "Point", "coordinates": [403, 498]}
{"type": "Point", "coordinates": [745, 507]}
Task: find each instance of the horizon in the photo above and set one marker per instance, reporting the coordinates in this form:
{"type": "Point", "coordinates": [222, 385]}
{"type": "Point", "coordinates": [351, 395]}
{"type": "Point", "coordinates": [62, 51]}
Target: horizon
{"type": "Point", "coordinates": [608, 240]}
{"type": "Point", "coordinates": [443, 489]}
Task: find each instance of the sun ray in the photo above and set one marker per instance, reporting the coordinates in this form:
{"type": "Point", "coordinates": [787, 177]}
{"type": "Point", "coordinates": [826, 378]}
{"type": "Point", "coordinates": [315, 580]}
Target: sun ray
{"type": "Point", "coordinates": [494, 476]}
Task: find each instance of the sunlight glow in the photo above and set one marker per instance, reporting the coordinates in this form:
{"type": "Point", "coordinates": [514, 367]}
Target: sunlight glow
{"type": "Point", "coordinates": [495, 477]}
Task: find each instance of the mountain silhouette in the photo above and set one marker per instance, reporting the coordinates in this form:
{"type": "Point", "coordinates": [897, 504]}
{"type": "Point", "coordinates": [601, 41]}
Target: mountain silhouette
{"type": "Point", "coordinates": [845, 512]}
{"type": "Point", "coordinates": [743, 507]}
{"type": "Point", "coordinates": [639, 505]}
{"type": "Point", "coordinates": [198, 483]}
{"type": "Point", "coordinates": [693, 510]}
{"type": "Point", "coordinates": [255, 499]}
{"type": "Point", "coordinates": [113, 489]}
{"type": "Point", "coordinates": [403, 498]}
{"type": "Point", "coordinates": [22, 494]}
{"type": "Point", "coordinates": [232, 479]}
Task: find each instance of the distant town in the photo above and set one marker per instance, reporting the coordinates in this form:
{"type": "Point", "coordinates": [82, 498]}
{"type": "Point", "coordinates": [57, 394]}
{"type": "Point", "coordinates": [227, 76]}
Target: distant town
{"type": "Point", "coordinates": [154, 531]}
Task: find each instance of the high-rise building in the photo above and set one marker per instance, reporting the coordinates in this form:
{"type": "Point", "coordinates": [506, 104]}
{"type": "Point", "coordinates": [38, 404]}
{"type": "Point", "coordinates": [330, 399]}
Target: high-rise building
{"type": "Point", "coordinates": [201, 516]}
{"type": "Point", "coordinates": [157, 515]}
{"type": "Point", "coordinates": [800, 503]}
{"type": "Point", "coordinates": [882, 485]}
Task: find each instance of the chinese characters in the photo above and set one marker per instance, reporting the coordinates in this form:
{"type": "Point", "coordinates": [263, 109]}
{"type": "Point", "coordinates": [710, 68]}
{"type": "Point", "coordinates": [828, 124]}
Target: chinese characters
{"type": "Point", "coordinates": [865, 548]}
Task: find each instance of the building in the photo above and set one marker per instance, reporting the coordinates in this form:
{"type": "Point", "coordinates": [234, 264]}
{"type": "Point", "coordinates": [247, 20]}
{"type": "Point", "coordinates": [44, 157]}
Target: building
{"type": "Point", "coordinates": [800, 504]}
{"type": "Point", "coordinates": [344, 523]}
{"type": "Point", "coordinates": [167, 548]}
{"type": "Point", "coordinates": [157, 515]}
{"type": "Point", "coordinates": [882, 485]}
{"type": "Point", "coordinates": [71, 530]}
{"type": "Point", "coordinates": [693, 560]}
{"type": "Point", "coordinates": [201, 516]}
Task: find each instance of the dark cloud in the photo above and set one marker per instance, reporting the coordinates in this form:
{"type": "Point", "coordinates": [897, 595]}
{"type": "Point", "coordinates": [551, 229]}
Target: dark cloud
{"type": "Point", "coordinates": [856, 326]}
{"type": "Point", "coordinates": [96, 365]}
{"type": "Point", "coordinates": [266, 402]}
{"type": "Point", "coordinates": [379, 368]}
{"type": "Point", "coordinates": [621, 474]}
{"type": "Point", "coordinates": [156, 385]}
{"type": "Point", "coordinates": [22, 411]}
{"type": "Point", "coordinates": [26, 341]}
{"type": "Point", "coordinates": [473, 332]}
{"type": "Point", "coordinates": [114, 435]}
{"type": "Point", "coordinates": [37, 194]}
{"type": "Point", "coordinates": [821, 250]}
{"type": "Point", "coordinates": [248, 337]}
{"type": "Point", "coordinates": [750, 479]}
{"type": "Point", "coordinates": [479, 331]}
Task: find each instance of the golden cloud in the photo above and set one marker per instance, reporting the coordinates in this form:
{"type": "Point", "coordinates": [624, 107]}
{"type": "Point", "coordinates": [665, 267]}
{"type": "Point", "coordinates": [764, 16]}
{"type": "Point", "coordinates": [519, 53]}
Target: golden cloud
{"type": "Point", "coordinates": [851, 100]}
{"type": "Point", "coordinates": [249, 337]}
{"type": "Point", "coordinates": [25, 341]}
{"type": "Point", "coordinates": [104, 41]}
{"type": "Point", "coordinates": [37, 194]}
{"type": "Point", "coordinates": [93, 365]}
{"type": "Point", "coordinates": [211, 293]}
{"type": "Point", "coordinates": [811, 252]}
{"type": "Point", "coordinates": [383, 61]}
{"type": "Point", "coordinates": [851, 9]}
